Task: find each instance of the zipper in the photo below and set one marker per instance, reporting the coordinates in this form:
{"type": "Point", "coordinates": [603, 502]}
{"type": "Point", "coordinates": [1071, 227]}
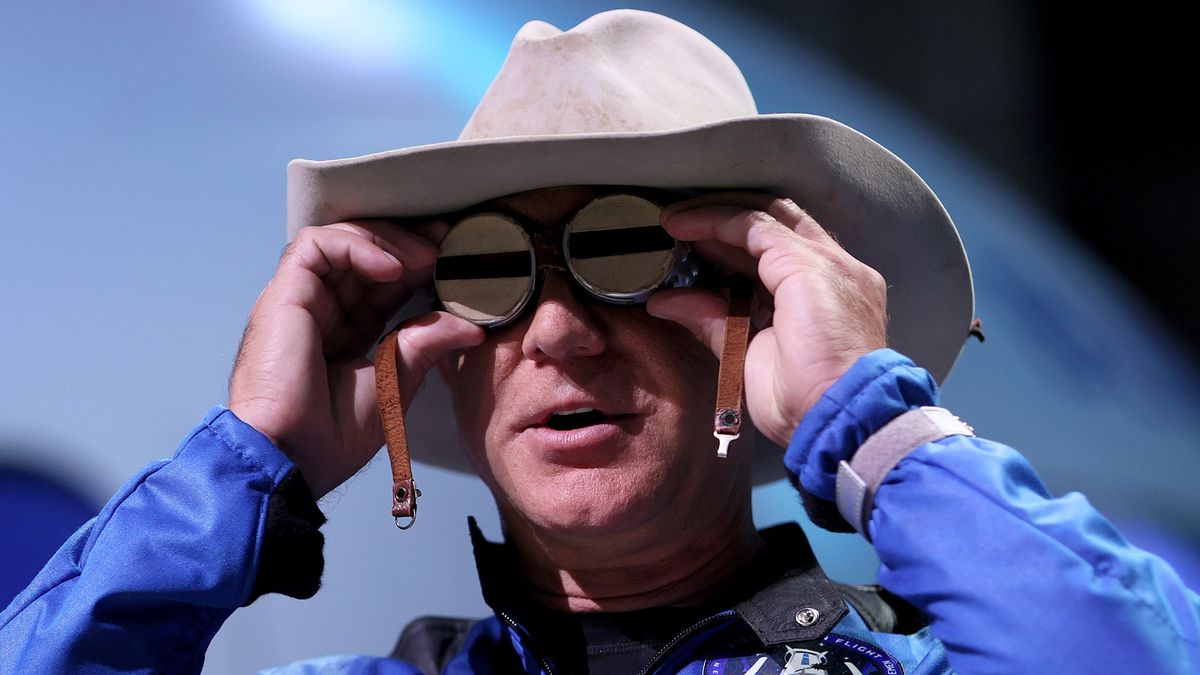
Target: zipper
{"type": "Point", "coordinates": [528, 639]}
{"type": "Point", "coordinates": [682, 636]}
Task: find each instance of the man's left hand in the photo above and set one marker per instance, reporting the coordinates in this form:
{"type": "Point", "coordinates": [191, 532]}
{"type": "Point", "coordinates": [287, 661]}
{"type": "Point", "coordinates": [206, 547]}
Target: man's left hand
{"type": "Point", "coordinates": [829, 308]}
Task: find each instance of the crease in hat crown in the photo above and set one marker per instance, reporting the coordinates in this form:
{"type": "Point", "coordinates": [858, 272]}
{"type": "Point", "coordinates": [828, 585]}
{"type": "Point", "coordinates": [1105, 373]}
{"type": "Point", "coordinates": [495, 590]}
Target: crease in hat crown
{"type": "Point", "coordinates": [619, 71]}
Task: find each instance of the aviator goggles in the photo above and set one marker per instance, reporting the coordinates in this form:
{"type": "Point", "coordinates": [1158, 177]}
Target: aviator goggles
{"type": "Point", "coordinates": [490, 267]}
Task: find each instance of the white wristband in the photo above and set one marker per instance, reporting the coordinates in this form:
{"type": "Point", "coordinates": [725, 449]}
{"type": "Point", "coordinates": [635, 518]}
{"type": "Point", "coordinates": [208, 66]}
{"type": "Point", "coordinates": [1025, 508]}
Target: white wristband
{"type": "Point", "coordinates": [860, 478]}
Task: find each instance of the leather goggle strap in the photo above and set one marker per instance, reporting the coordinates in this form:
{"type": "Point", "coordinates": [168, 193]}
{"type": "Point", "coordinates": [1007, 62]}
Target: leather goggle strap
{"type": "Point", "coordinates": [387, 389]}
{"type": "Point", "coordinates": [727, 422]}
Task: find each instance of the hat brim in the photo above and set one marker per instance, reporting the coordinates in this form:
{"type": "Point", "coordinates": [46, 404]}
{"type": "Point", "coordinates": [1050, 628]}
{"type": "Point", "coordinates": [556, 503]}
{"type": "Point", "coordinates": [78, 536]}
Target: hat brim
{"type": "Point", "coordinates": [876, 206]}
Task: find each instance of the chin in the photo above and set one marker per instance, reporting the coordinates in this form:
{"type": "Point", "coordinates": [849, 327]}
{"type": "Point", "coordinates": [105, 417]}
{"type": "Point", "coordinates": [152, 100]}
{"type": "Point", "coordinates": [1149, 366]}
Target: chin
{"type": "Point", "coordinates": [591, 501]}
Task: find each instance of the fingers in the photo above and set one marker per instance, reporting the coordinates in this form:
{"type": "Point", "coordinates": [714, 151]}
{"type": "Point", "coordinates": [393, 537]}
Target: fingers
{"type": "Point", "coordinates": [754, 207]}
{"type": "Point", "coordinates": [780, 238]}
{"type": "Point", "coordinates": [422, 341]}
{"type": "Point", "coordinates": [730, 259]}
{"type": "Point", "coordinates": [372, 250]}
{"type": "Point", "coordinates": [701, 312]}
{"type": "Point", "coordinates": [350, 277]}
{"type": "Point", "coordinates": [754, 230]}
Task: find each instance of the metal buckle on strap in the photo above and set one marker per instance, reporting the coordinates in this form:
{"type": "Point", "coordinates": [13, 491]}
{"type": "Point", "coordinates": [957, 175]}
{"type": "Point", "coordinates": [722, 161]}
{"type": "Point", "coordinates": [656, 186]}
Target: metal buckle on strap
{"type": "Point", "coordinates": [727, 428]}
{"type": "Point", "coordinates": [401, 497]}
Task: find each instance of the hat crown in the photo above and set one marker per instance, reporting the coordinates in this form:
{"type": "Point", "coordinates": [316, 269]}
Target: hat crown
{"type": "Point", "coordinates": [619, 71]}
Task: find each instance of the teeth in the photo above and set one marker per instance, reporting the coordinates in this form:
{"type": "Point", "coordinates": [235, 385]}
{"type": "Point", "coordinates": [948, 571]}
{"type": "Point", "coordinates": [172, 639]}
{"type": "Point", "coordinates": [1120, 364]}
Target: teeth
{"type": "Point", "coordinates": [576, 411]}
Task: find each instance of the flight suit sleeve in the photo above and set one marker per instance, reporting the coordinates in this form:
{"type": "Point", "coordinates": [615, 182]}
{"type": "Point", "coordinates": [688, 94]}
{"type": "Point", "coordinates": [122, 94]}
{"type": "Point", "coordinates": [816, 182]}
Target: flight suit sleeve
{"type": "Point", "coordinates": [1013, 579]}
{"type": "Point", "coordinates": [144, 586]}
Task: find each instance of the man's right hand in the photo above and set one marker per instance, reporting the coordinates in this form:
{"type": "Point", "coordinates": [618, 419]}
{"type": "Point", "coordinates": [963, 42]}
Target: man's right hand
{"type": "Point", "coordinates": [302, 377]}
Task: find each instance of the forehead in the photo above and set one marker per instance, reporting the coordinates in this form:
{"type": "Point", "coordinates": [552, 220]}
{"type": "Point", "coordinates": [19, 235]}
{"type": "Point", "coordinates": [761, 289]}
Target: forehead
{"type": "Point", "coordinates": [545, 207]}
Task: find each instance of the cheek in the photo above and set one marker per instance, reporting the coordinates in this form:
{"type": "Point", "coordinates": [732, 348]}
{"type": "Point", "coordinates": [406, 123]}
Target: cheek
{"type": "Point", "coordinates": [680, 371]}
{"type": "Point", "coordinates": [473, 379]}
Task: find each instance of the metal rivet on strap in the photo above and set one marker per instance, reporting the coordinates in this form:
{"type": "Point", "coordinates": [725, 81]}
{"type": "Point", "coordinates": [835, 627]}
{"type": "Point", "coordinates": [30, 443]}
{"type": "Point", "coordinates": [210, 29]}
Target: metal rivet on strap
{"type": "Point", "coordinates": [402, 493]}
{"type": "Point", "coordinates": [807, 617]}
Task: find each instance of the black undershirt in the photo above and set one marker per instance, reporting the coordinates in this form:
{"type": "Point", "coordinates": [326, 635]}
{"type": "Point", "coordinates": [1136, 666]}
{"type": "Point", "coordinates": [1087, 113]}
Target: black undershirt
{"type": "Point", "coordinates": [619, 642]}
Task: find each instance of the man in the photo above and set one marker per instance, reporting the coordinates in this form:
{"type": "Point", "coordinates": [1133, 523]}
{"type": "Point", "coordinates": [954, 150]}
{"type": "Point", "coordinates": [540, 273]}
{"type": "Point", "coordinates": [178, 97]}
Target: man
{"type": "Point", "coordinates": [629, 542]}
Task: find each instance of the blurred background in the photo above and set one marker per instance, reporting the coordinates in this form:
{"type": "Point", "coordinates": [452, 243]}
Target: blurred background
{"type": "Point", "coordinates": [142, 178]}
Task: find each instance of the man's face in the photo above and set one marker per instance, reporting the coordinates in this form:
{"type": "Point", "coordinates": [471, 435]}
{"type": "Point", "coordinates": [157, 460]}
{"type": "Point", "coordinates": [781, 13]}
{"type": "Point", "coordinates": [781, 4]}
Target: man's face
{"type": "Point", "coordinates": [647, 455]}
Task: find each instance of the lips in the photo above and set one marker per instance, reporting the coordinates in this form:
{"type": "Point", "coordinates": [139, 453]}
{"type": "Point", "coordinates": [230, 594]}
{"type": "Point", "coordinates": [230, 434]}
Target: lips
{"type": "Point", "coordinates": [578, 418]}
{"type": "Point", "coordinates": [574, 415]}
{"type": "Point", "coordinates": [578, 429]}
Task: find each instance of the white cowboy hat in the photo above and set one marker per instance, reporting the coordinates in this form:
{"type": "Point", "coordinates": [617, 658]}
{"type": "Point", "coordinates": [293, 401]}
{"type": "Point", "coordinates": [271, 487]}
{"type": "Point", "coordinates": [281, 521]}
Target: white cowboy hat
{"type": "Point", "coordinates": [634, 98]}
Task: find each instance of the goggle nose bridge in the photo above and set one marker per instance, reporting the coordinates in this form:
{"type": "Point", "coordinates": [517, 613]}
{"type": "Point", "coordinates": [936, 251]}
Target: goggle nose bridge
{"type": "Point", "coordinates": [549, 256]}
{"type": "Point", "coordinates": [548, 253]}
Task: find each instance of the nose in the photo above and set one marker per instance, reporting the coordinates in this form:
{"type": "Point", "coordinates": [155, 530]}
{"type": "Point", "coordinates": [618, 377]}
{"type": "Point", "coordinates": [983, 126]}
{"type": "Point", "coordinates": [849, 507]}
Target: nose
{"type": "Point", "coordinates": [562, 327]}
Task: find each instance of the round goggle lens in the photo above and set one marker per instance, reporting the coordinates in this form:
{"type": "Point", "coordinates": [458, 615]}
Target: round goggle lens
{"type": "Point", "coordinates": [485, 269]}
{"type": "Point", "coordinates": [617, 250]}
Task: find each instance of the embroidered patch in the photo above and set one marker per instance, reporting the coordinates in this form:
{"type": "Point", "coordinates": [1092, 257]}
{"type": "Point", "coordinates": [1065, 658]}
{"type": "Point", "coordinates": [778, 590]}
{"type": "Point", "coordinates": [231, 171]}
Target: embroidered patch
{"type": "Point", "coordinates": [832, 655]}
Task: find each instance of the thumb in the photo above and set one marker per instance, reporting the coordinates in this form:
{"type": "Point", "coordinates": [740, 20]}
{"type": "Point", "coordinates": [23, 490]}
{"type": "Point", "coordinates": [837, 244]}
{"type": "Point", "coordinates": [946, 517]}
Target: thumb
{"type": "Point", "coordinates": [700, 311]}
{"type": "Point", "coordinates": [425, 339]}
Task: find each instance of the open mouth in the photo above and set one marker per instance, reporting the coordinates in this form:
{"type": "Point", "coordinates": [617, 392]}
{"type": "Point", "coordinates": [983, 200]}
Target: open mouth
{"type": "Point", "coordinates": [575, 419]}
